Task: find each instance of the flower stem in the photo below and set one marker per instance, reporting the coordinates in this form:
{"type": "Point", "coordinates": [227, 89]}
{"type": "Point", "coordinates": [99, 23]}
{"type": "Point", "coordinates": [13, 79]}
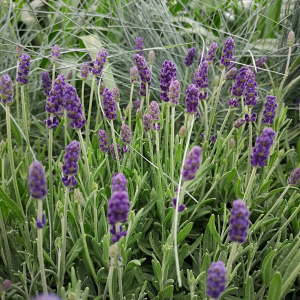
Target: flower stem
{"type": "Point", "coordinates": [172, 147]}
{"type": "Point", "coordinates": [130, 104]}
{"type": "Point", "coordinates": [110, 279]}
{"type": "Point", "coordinates": [120, 275]}
{"type": "Point", "coordinates": [185, 81]}
{"type": "Point", "coordinates": [82, 98]}
{"type": "Point", "coordinates": [247, 193]}
{"type": "Point", "coordinates": [18, 105]}
{"type": "Point", "coordinates": [115, 144]}
{"type": "Point", "coordinates": [167, 135]}
{"type": "Point", "coordinates": [231, 257]}
{"type": "Point", "coordinates": [250, 144]}
{"type": "Point", "coordinates": [90, 111]}
{"type": "Point", "coordinates": [86, 160]}
{"type": "Point", "coordinates": [206, 120]}
{"type": "Point", "coordinates": [25, 123]}
{"type": "Point", "coordinates": [225, 120]}
{"type": "Point", "coordinates": [40, 247]}
{"type": "Point", "coordinates": [50, 177]}
{"type": "Point", "coordinates": [53, 74]}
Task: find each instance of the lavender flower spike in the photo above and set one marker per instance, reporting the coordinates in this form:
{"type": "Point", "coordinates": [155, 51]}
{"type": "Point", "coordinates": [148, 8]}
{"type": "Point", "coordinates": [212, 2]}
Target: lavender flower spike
{"type": "Point", "coordinates": [134, 73]}
{"type": "Point", "coordinates": [112, 151]}
{"type": "Point", "coordinates": [227, 52]}
{"type": "Point", "coordinates": [99, 62]}
{"type": "Point", "coordinates": [139, 45]}
{"type": "Point", "coordinates": [174, 92]}
{"type": "Point", "coordinates": [190, 56]}
{"type": "Point", "coordinates": [192, 99]}
{"type": "Point", "coordinates": [270, 110]}
{"type": "Point", "coordinates": [84, 71]}
{"type": "Point", "coordinates": [261, 151]}
{"type": "Point", "coordinates": [46, 83]}
{"type": "Point", "coordinates": [212, 51]}
{"type": "Point", "coordinates": [239, 221]}
{"type": "Point", "coordinates": [37, 181]}
{"type": "Point", "coordinates": [216, 280]}
{"type": "Point", "coordinates": [151, 57]}
{"type": "Point", "coordinates": [147, 122]}
{"type": "Point", "coordinates": [200, 79]}
{"type": "Point", "coordinates": [250, 89]}
{"type": "Point", "coordinates": [126, 134]}
{"type": "Point", "coordinates": [154, 111]}
{"type": "Point", "coordinates": [6, 89]}
{"type": "Point", "coordinates": [23, 69]}
{"type": "Point", "coordinates": [295, 176]}
{"type": "Point", "coordinates": [137, 104]}
{"type": "Point", "coordinates": [192, 163]}
{"type": "Point", "coordinates": [168, 72]}
{"type": "Point", "coordinates": [109, 104]}
{"type": "Point", "coordinates": [260, 63]}
{"type": "Point", "coordinates": [103, 141]}
{"type": "Point", "coordinates": [116, 94]}
{"type": "Point", "coordinates": [119, 183]}
{"type": "Point", "coordinates": [55, 51]}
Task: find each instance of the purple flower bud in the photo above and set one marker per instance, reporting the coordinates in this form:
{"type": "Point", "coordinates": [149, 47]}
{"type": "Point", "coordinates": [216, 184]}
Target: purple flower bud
{"type": "Point", "coordinates": [147, 122]}
{"type": "Point", "coordinates": [252, 118]}
{"type": "Point", "coordinates": [270, 110]}
{"type": "Point", "coordinates": [40, 223]}
{"type": "Point", "coordinates": [144, 72]}
{"type": "Point", "coordinates": [238, 123]}
{"type": "Point", "coordinates": [168, 73]}
{"type": "Point", "coordinates": [51, 122]}
{"type": "Point", "coordinates": [227, 52]}
{"type": "Point", "coordinates": [19, 52]}
{"type": "Point", "coordinates": [47, 297]}
{"type": "Point", "coordinates": [231, 74]}
{"type": "Point", "coordinates": [294, 177]}
{"type": "Point", "coordinates": [23, 69]}
{"type": "Point", "coordinates": [99, 62]}
{"type": "Point", "coordinates": [84, 71]}
{"type": "Point", "coordinates": [200, 78]}
{"type": "Point", "coordinates": [182, 132]}
{"type": "Point", "coordinates": [119, 183]}
{"type": "Point", "coordinates": [174, 92]}
{"type": "Point", "coordinates": [137, 104]}
{"type": "Point", "coordinates": [239, 221]}
{"type": "Point", "coordinates": [190, 56]}
{"type": "Point", "coordinates": [261, 151]}
{"type": "Point", "coordinates": [216, 280]}
{"type": "Point", "coordinates": [250, 89]}
{"type": "Point", "coordinates": [118, 208]}
{"type": "Point", "coordinates": [291, 38]}
{"type": "Point", "coordinates": [192, 99]}
{"type": "Point", "coordinates": [55, 52]}
{"type": "Point", "coordinates": [112, 151]}
{"type": "Point", "coordinates": [154, 111]}
{"type": "Point", "coordinates": [260, 63]}
{"type": "Point", "coordinates": [202, 135]}
{"type": "Point", "coordinates": [133, 74]}
{"type": "Point", "coordinates": [213, 138]}
{"type": "Point", "coordinates": [103, 142]}
{"type": "Point", "coordinates": [6, 89]}
{"type": "Point", "coordinates": [139, 45]}
{"type": "Point", "coordinates": [212, 51]}
{"type": "Point", "coordinates": [234, 102]}
{"type": "Point", "coordinates": [151, 57]}
{"type": "Point", "coordinates": [126, 134]}
{"type": "Point", "coordinates": [109, 105]}
{"type": "Point", "coordinates": [6, 285]}
{"type": "Point", "coordinates": [46, 83]}
{"type": "Point", "coordinates": [102, 87]}
{"type": "Point", "coordinates": [156, 126]}
{"type": "Point", "coordinates": [116, 94]}
{"type": "Point", "coordinates": [192, 163]}
{"type": "Point", "coordinates": [181, 207]}
{"type": "Point", "coordinates": [239, 85]}
{"type": "Point", "coordinates": [37, 181]}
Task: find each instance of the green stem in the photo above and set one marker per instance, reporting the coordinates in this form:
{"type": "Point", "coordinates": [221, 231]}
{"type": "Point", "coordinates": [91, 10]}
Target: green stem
{"type": "Point", "coordinates": [66, 128]}
{"type": "Point", "coordinates": [185, 81]}
{"type": "Point", "coordinates": [110, 279]}
{"type": "Point", "coordinates": [206, 120]}
{"type": "Point", "coordinates": [225, 120]}
{"type": "Point", "coordinates": [86, 160]}
{"type": "Point", "coordinates": [50, 177]}
{"type": "Point", "coordinates": [90, 111]}
{"type": "Point", "coordinates": [40, 248]}
{"type": "Point", "coordinates": [120, 275]}
{"type": "Point", "coordinates": [25, 123]}
{"type": "Point", "coordinates": [115, 144]}
{"type": "Point", "coordinates": [147, 96]}
{"type": "Point", "coordinates": [167, 135]}
{"type": "Point", "coordinates": [18, 105]}
{"type": "Point", "coordinates": [231, 257]}
{"type": "Point", "coordinates": [53, 74]}
{"type": "Point", "coordinates": [82, 98]}
{"type": "Point", "coordinates": [250, 144]}
{"type": "Point", "coordinates": [157, 150]}
{"type": "Point", "coordinates": [247, 193]}
{"type": "Point", "coordinates": [172, 147]}
{"type": "Point", "coordinates": [95, 218]}
{"type": "Point", "coordinates": [130, 104]}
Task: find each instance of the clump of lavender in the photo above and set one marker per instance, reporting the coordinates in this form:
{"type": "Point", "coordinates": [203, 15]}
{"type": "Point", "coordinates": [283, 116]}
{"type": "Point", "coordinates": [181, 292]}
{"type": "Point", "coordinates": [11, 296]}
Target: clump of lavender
{"type": "Point", "coordinates": [134, 73]}
{"type": "Point", "coordinates": [200, 79]}
{"type": "Point", "coordinates": [137, 104]}
{"type": "Point", "coordinates": [99, 62]}
{"type": "Point", "coordinates": [167, 73]}
{"type": "Point", "coordinates": [190, 56]}
{"type": "Point", "coordinates": [294, 177]}
{"type": "Point", "coordinates": [73, 107]}
{"type": "Point", "coordinates": [103, 141]}
{"type": "Point", "coordinates": [212, 51]}
{"type": "Point", "coordinates": [23, 69]}
{"type": "Point", "coordinates": [55, 52]}
{"type": "Point", "coordinates": [139, 45]}
{"type": "Point", "coordinates": [84, 71]}
{"type": "Point", "coordinates": [46, 83]}
{"type": "Point", "coordinates": [227, 52]}
{"type": "Point", "coordinates": [239, 221]}
{"type": "Point", "coordinates": [126, 136]}
{"type": "Point", "coordinates": [37, 181]}
{"type": "Point", "coordinates": [112, 151]}
{"type": "Point", "coordinates": [259, 64]}
{"type": "Point", "coordinates": [270, 110]}
{"type": "Point", "coordinates": [144, 72]}
{"type": "Point", "coordinates": [250, 89]}
{"type": "Point", "coordinates": [6, 89]}
{"type": "Point", "coordinates": [192, 163]}
{"type": "Point", "coordinates": [109, 104]}
{"type": "Point", "coordinates": [174, 92]}
{"type": "Point", "coordinates": [192, 99]}
{"type": "Point", "coordinates": [216, 280]}
{"type": "Point", "coordinates": [147, 122]}
{"type": "Point", "coordinates": [151, 57]}
{"type": "Point", "coordinates": [70, 166]}
{"type": "Point", "coordinates": [261, 151]}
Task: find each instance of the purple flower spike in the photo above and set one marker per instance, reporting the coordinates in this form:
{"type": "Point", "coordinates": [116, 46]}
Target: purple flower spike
{"type": "Point", "coordinates": [250, 89]}
{"type": "Point", "coordinates": [116, 94]}
{"type": "Point", "coordinates": [51, 123]}
{"type": "Point", "coordinates": [168, 73]}
{"type": "Point", "coordinates": [99, 62]}
{"type": "Point", "coordinates": [119, 183]}
{"type": "Point", "coordinates": [37, 181]}
{"type": "Point", "coordinates": [233, 103]}
{"type": "Point", "coordinates": [261, 151]}
{"type": "Point", "coordinates": [213, 138]}
{"type": "Point", "coordinates": [295, 176]}
{"type": "Point", "coordinates": [144, 72]}
{"type": "Point", "coordinates": [46, 83]}
{"type": "Point", "coordinates": [192, 163]}
{"type": "Point", "coordinates": [47, 297]}
{"type": "Point", "coordinates": [112, 151]}
{"type": "Point", "coordinates": [239, 221]}
{"type": "Point", "coordinates": [192, 99]}
{"type": "Point", "coordinates": [151, 57]}
{"type": "Point", "coordinates": [137, 104]}
{"type": "Point", "coordinates": [40, 223]}
{"type": "Point", "coordinates": [103, 142]}
{"type": "Point", "coordinates": [270, 110]}
{"type": "Point", "coordinates": [118, 208]}
{"type": "Point", "coordinates": [231, 74]}
{"type": "Point", "coordinates": [227, 52]}
{"type": "Point", "coordinates": [251, 118]}
{"type": "Point", "coordinates": [6, 89]}
{"type": "Point", "coordinates": [212, 51]}
{"type": "Point", "coordinates": [134, 73]}
{"type": "Point", "coordinates": [70, 166]}
{"type": "Point", "coordinates": [238, 123]}
{"type": "Point", "coordinates": [147, 122]}
{"type": "Point", "coordinates": [174, 92]}
{"type": "Point", "coordinates": [139, 45]}
{"type": "Point", "coordinates": [190, 56]}
{"type": "Point", "coordinates": [109, 105]}
{"type": "Point", "coordinates": [55, 51]}
{"type": "Point", "coordinates": [23, 69]}
{"type": "Point", "coordinates": [154, 111]}
{"type": "Point", "coordinates": [200, 79]}
{"type": "Point", "coordinates": [260, 63]}
{"type": "Point", "coordinates": [239, 85]}
{"type": "Point", "coordinates": [84, 71]}
{"type": "Point", "coordinates": [126, 134]}
{"type": "Point", "coordinates": [216, 280]}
